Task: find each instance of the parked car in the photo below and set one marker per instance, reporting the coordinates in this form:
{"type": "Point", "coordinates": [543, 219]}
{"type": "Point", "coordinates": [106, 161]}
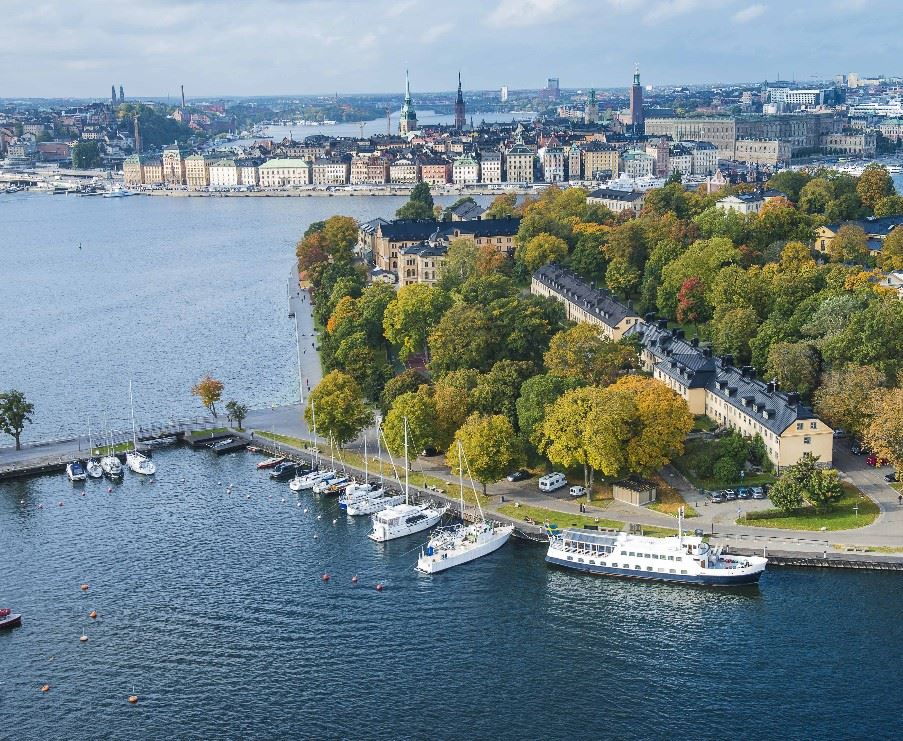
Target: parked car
{"type": "Point", "coordinates": [577, 491]}
{"type": "Point", "coordinates": [717, 497]}
{"type": "Point", "coordinates": [839, 433]}
{"type": "Point", "coordinates": [758, 492]}
{"type": "Point", "coordinates": [518, 475]}
{"type": "Point", "coordinates": [729, 494]}
{"type": "Point", "coordinates": [874, 460]}
{"type": "Point", "coordinates": [744, 493]}
{"type": "Point", "coordinates": [891, 478]}
{"type": "Point", "coordinates": [856, 447]}
{"type": "Point", "coordinates": [429, 451]}
{"type": "Point", "coordinates": [552, 481]}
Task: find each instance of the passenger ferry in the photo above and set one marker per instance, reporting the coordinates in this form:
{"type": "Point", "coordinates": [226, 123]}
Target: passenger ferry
{"type": "Point", "coordinates": [679, 558]}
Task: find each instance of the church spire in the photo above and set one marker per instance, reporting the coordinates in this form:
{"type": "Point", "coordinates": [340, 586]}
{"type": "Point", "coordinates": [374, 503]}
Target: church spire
{"type": "Point", "coordinates": [636, 74]}
{"type": "Point", "coordinates": [407, 86]}
{"type": "Point", "coordinates": [460, 109]}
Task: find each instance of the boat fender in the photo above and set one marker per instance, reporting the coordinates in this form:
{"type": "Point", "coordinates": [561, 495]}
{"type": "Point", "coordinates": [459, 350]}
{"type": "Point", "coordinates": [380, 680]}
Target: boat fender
{"type": "Point", "coordinates": [325, 577]}
{"type": "Point", "coordinates": [83, 587]}
{"type": "Point", "coordinates": [83, 639]}
{"type": "Point", "coordinates": [61, 504]}
{"type": "Point", "coordinates": [379, 587]}
{"type": "Point", "coordinates": [109, 490]}
{"type": "Point", "coordinates": [133, 699]}
{"type": "Point", "coordinates": [354, 579]}
{"type": "Point", "coordinates": [45, 688]}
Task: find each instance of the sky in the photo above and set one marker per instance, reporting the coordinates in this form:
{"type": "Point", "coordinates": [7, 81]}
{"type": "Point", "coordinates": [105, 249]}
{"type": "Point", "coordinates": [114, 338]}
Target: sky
{"type": "Point", "coordinates": [78, 48]}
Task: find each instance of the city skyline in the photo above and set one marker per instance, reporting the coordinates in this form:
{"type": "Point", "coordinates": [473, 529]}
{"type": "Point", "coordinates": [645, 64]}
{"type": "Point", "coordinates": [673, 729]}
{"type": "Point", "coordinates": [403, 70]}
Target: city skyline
{"type": "Point", "coordinates": [79, 49]}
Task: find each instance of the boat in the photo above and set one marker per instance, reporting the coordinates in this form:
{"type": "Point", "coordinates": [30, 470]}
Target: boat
{"type": "Point", "coordinates": [461, 543]}
{"type": "Point", "coordinates": [134, 458]}
{"type": "Point", "coordinates": [75, 471]}
{"type": "Point", "coordinates": [375, 502]}
{"type": "Point", "coordinates": [118, 192]}
{"type": "Point", "coordinates": [284, 471]}
{"type": "Point", "coordinates": [368, 498]}
{"type": "Point", "coordinates": [404, 519]}
{"type": "Point", "coordinates": [271, 462]}
{"type": "Point", "coordinates": [9, 619]}
{"type": "Point", "coordinates": [333, 482]}
{"type": "Point", "coordinates": [301, 483]}
{"type": "Point", "coordinates": [94, 469]}
{"type": "Point", "coordinates": [679, 558]}
{"type": "Point", "coordinates": [110, 463]}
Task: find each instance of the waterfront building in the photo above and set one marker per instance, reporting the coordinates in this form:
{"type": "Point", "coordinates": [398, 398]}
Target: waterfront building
{"type": "Point", "coordinates": [197, 174]}
{"type": "Point", "coordinates": [366, 237]}
{"type": "Point", "coordinates": [133, 170]}
{"type": "Point", "coordinates": [637, 116]}
{"type": "Point", "coordinates": [460, 109]}
{"type": "Point", "coordinates": [520, 164]}
{"type": "Point", "coordinates": [407, 121]}
{"type": "Point", "coordinates": [618, 200]}
{"type": "Point", "coordinates": [491, 167]}
{"type": "Point", "coordinates": [601, 161]}
{"type": "Point", "coordinates": [247, 171]}
{"type": "Point", "coordinates": [153, 171]}
{"type": "Point", "coordinates": [856, 143]}
{"type": "Point", "coordinates": [552, 161]}
{"type": "Point", "coordinates": [330, 171]}
{"type": "Point", "coordinates": [892, 129]}
{"type": "Point", "coordinates": [583, 302]}
{"type": "Point", "coordinates": [768, 152]}
{"type": "Point", "coordinates": [503, 94]}
{"type": "Point", "coordinates": [404, 170]}
{"type": "Point", "coordinates": [282, 173]}
{"type": "Point", "coordinates": [465, 170]}
{"type": "Point", "coordinates": [636, 164]}
{"type": "Point", "coordinates": [173, 165]}
{"type": "Point", "coordinates": [435, 170]}
{"type": "Point", "coordinates": [224, 173]}
{"type": "Point", "coordinates": [369, 169]}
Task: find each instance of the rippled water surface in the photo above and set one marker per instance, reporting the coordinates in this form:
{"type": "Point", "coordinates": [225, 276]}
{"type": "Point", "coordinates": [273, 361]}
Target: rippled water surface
{"type": "Point", "coordinates": [212, 609]}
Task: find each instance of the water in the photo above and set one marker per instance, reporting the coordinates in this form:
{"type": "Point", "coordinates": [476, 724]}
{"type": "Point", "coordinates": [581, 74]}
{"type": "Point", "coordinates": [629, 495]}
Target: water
{"type": "Point", "coordinates": [211, 606]}
{"type": "Point", "coordinates": [162, 291]}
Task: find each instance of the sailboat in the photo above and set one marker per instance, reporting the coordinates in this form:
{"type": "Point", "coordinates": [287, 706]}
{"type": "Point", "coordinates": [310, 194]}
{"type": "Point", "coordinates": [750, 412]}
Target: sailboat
{"type": "Point", "coordinates": [404, 519]}
{"type": "Point", "coordinates": [135, 459]}
{"type": "Point", "coordinates": [462, 543]}
{"type": "Point", "coordinates": [92, 465]}
{"type": "Point", "coordinates": [110, 464]}
{"type": "Point", "coordinates": [373, 498]}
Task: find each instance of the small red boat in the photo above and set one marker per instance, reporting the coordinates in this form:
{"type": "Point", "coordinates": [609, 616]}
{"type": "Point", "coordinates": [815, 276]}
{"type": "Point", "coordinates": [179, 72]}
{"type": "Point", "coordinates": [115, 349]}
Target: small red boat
{"type": "Point", "coordinates": [9, 619]}
{"type": "Point", "coordinates": [271, 462]}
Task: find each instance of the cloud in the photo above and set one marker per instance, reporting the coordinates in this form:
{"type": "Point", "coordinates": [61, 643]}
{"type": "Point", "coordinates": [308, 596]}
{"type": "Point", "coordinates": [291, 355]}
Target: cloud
{"type": "Point", "coordinates": [434, 33]}
{"type": "Point", "coordinates": [526, 12]}
{"type": "Point", "coordinates": [666, 10]}
{"type": "Point", "coordinates": [748, 14]}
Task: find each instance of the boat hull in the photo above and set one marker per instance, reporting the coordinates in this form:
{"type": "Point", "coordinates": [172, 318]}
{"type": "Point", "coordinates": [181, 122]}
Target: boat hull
{"type": "Point", "coordinates": [11, 621]}
{"type": "Point", "coordinates": [445, 560]}
{"type": "Point", "coordinates": [381, 534]}
{"type": "Point", "coordinates": [711, 580]}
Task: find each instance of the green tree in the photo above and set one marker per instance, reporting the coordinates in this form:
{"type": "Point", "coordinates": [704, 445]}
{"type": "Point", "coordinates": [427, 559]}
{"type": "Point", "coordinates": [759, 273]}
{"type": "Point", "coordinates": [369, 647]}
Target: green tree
{"type": "Point", "coordinates": [536, 394]}
{"type": "Point", "coordinates": [844, 399]}
{"type": "Point", "coordinates": [15, 412]}
{"type": "Point", "coordinates": [502, 207]}
{"type": "Point", "coordinates": [340, 409]}
{"type": "Point", "coordinates": [891, 255]}
{"type": "Point", "coordinates": [209, 391]}
{"type": "Point", "coordinates": [790, 182]}
{"type": "Point", "coordinates": [541, 250]}
{"type": "Point", "coordinates": [622, 277]}
{"type": "Point", "coordinates": [371, 308]}
{"type": "Point", "coordinates": [581, 352]}
{"type": "Point", "coordinates": [795, 365]}
{"type": "Point", "coordinates": [884, 435]}
{"type": "Point", "coordinates": [354, 356]}
{"type": "Point", "coordinates": [889, 206]}
{"type": "Point", "coordinates": [873, 336]}
{"type": "Point", "coordinates": [703, 259]}
{"type": "Point", "coordinates": [489, 446]}
{"type": "Point", "coordinates": [236, 411]}
{"type": "Point", "coordinates": [726, 470]}
{"type": "Point", "coordinates": [419, 206]}
{"type": "Point", "coordinates": [452, 394]}
{"type": "Point", "coordinates": [733, 331]}
{"type": "Point", "coordinates": [419, 410]}
{"type": "Point", "coordinates": [824, 489]}
{"type": "Point", "coordinates": [786, 494]}
{"type": "Point", "coordinates": [463, 338]}
{"type": "Point", "coordinates": [692, 307]}
{"type": "Point", "coordinates": [406, 381]}
{"type": "Point", "coordinates": [850, 244]}
{"type": "Point", "coordinates": [815, 196]}
{"type": "Point", "coordinates": [497, 391]}
{"type": "Point", "coordinates": [411, 316]}
{"type": "Point", "coordinates": [874, 184]}
{"type": "Point", "coordinates": [85, 155]}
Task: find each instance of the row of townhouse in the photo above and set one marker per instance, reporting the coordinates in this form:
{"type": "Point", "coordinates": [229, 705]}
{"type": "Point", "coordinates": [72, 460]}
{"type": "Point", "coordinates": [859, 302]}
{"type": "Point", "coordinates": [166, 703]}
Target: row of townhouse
{"type": "Point", "coordinates": [711, 386]}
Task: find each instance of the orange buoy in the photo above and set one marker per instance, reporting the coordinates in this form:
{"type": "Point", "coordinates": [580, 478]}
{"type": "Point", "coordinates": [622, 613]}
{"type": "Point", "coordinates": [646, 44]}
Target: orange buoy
{"type": "Point", "coordinates": [325, 577]}
{"type": "Point", "coordinates": [354, 580]}
{"type": "Point", "coordinates": [93, 614]}
{"type": "Point", "coordinates": [379, 587]}
{"type": "Point", "coordinates": [133, 699]}
{"type": "Point", "coordinates": [45, 688]}
{"type": "Point", "coordinates": [84, 587]}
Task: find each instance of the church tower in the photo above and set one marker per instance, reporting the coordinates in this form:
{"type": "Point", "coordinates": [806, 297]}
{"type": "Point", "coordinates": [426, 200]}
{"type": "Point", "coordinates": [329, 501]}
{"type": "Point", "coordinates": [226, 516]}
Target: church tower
{"type": "Point", "coordinates": [637, 119]}
{"type": "Point", "coordinates": [460, 116]}
{"type": "Point", "coordinates": [408, 120]}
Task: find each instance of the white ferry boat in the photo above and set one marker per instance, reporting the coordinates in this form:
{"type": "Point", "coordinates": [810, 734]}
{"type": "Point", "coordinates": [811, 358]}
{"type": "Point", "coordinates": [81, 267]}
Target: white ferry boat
{"type": "Point", "coordinates": [679, 558]}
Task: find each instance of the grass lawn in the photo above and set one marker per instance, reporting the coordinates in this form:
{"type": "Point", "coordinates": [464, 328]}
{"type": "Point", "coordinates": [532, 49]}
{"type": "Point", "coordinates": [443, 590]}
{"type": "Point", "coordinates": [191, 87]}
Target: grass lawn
{"type": "Point", "coordinates": [669, 500]}
{"type": "Point", "coordinates": [683, 464]}
{"type": "Point", "coordinates": [840, 517]}
{"type": "Point", "coordinates": [210, 432]}
{"type": "Point", "coordinates": [539, 515]}
{"type": "Point", "coordinates": [117, 448]}
{"type": "Point", "coordinates": [870, 548]}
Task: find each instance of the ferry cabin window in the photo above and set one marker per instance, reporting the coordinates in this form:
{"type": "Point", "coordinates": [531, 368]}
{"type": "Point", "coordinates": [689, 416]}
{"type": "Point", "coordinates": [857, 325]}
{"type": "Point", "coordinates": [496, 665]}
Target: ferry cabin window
{"type": "Point", "coordinates": [683, 571]}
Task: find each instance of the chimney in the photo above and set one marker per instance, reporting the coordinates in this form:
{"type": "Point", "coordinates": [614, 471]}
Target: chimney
{"type": "Point", "coordinates": [707, 352]}
{"type": "Point", "coordinates": [183, 96]}
{"type": "Point", "coordinates": [727, 359]}
{"type": "Point", "coordinates": [746, 370]}
{"type": "Point", "coordinates": [649, 317]}
{"type": "Point", "coordinates": [695, 342]}
{"type": "Point", "coordinates": [677, 334]}
{"type": "Point", "coordinates": [772, 386]}
{"type": "Point", "coordinates": [662, 323]}
{"type": "Point", "coordinates": [793, 398]}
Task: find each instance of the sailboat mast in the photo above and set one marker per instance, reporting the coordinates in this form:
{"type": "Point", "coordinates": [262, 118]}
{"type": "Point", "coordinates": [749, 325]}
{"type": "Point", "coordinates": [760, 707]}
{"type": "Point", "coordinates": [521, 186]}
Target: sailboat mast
{"type": "Point", "coordinates": [461, 478]}
{"type": "Point", "coordinates": [313, 412]}
{"type": "Point", "coordinates": [366, 466]}
{"type": "Point", "coordinates": [406, 464]}
{"type": "Point", "coordinates": [132, 407]}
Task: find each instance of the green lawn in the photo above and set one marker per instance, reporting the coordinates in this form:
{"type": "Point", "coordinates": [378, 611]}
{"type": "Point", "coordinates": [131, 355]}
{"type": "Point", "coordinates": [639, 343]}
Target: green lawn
{"type": "Point", "coordinates": [669, 500]}
{"type": "Point", "coordinates": [540, 515]}
{"type": "Point", "coordinates": [841, 516]}
{"type": "Point", "coordinates": [209, 433]}
{"type": "Point", "coordinates": [684, 465]}
{"type": "Point", "coordinates": [117, 448]}
{"type": "Point", "coordinates": [701, 423]}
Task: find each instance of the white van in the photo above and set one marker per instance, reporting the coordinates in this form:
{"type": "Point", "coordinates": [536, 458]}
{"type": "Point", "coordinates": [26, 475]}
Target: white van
{"type": "Point", "coordinates": [552, 481]}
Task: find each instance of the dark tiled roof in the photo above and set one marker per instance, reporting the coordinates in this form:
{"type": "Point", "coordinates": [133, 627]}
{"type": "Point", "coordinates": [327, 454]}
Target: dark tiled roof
{"type": "Point", "coordinates": [617, 195]}
{"type": "Point", "coordinates": [601, 304]}
{"type": "Point", "coordinates": [423, 229]}
{"type": "Point", "coordinates": [425, 249]}
{"type": "Point", "coordinates": [873, 226]}
{"type": "Point", "coordinates": [468, 210]}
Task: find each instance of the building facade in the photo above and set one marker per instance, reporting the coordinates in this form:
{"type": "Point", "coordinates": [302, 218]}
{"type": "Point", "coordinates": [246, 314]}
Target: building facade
{"type": "Point", "coordinates": [491, 167]}
{"type": "Point", "coordinates": [197, 173]}
{"type": "Point", "coordinates": [520, 164]}
{"type": "Point", "coordinates": [465, 170]}
{"type": "Point", "coordinates": [284, 173]}
{"type": "Point", "coordinates": [768, 152]}
{"type": "Point", "coordinates": [330, 171]}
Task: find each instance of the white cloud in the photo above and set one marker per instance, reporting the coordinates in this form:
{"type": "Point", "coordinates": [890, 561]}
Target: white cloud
{"type": "Point", "coordinates": [434, 33]}
{"type": "Point", "coordinates": [748, 14]}
{"type": "Point", "coordinates": [526, 12]}
{"type": "Point", "coordinates": [666, 10]}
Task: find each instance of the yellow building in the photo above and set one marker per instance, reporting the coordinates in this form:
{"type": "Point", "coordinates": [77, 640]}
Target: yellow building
{"type": "Point", "coordinates": [197, 171]}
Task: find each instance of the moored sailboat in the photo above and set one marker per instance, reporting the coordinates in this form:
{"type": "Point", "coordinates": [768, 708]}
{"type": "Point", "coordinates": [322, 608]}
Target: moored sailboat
{"type": "Point", "coordinates": [135, 459]}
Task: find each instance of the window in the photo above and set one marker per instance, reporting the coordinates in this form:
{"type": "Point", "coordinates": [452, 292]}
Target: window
{"type": "Point", "coordinates": [813, 425]}
{"type": "Point", "coordinates": [799, 425]}
{"type": "Point", "coordinates": [807, 440]}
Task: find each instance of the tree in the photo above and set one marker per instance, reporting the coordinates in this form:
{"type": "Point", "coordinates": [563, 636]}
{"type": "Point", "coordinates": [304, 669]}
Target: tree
{"type": "Point", "coordinates": [354, 356]}
{"type": "Point", "coordinates": [873, 336]}
{"type": "Point", "coordinates": [463, 338]}
{"type": "Point", "coordinates": [541, 250]}
{"type": "Point", "coordinates": [209, 391]}
{"type": "Point", "coordinates": [884, 435]}
{"type": "Point", "coordinates": [453, 404]}
{"type": "Point", "coordinates": [732, 332]}
{"type": "Point", "coordinates": [891, 255]}
{"type": "Point", "coordinates": [691, 304]}
{"type": "Point", "coordinates": [460, 263]}
{"type": "Point", "coordinates": [582, 352]}
{"type": "Point", "coordinates": [411, 316]}
{"type": "Point", "coordinates": [588, 257]}
{"type": "Point", "coordinates": [448, 210]}
{"type": "Point", "coordinates": [815, 196]}
{"type": "Point", "coordinates": [663, 423]}
{"type": "Point", "coordinates": [786, 494]}
{"type": "Point", "coordinates": [502, 207]}
{"type": "Point", "coordinates": [874, 184]}
{"type": "Point", "coordinates": [419, 411]}
{"type": "Point", "coordinates": [795, 365]}
{"type": "Point", "coordinates": [404, 382]}
{"type": "Point", "coordinates": [371, 307]}
{"type": "Point", "coordinates": [345, 314]}
{"type": "Point", "coordinates": [15, 412]}
{"type": "Point", "coordinates": [489, 445]}
{"type": "Point", "coordinates": [339, 406]}
{"type": "Point", "coordinates": [622, 276]}
{"type": "Point", "coordinates": [419, 206]}
{"type": "Point", "coordinates": [845, 399]}
{"type": "Point", "coordinates": [497, 391]}
{"type": "Point", "coordinates": [850, 244]}
{"type": "Point", "coordinates": [889, 206]}
{"type": "Point", "coordinates": [312, 250]}
{"type": "Point", "coordinates": [85, 155]}
{"type": "Point", "coordinates": [236, 411]}
{"type": "Point", "coordinates": [703, 259]}
{"type": "Point", "coordinates": [824, 489]}
{"type": "Point", "coordinates": [536, 394]}
{"type": "Point", "coordinates": [341, 235]}
{"type": "Point", "coordinates": [790, 182]}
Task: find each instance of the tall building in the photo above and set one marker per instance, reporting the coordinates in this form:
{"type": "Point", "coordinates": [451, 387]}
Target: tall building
{"type": "Point", "coordinates": [503, 94]}
{"type": "Point", "coordinates": [591, 110]}
{"type": "Point", "coordinates": [121, 95]}
{"type": "Point", "coordinates": [407, 122]}
{"type": "Point", "coordinates": [183, 96]}
{"type": "Point", "coordinates": [114, 96]}
{"type": "Point", "coordinates": [460, 118]}
{"type": "Point", "coordinates": [637, 120]}
{"type": "Point", "coordinates": [552, 87]}
{"type": "Point", "coordinates": [137, 135]}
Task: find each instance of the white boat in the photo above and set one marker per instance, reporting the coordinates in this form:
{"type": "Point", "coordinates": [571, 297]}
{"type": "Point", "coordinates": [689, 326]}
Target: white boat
{"type": "Point", "coordinates": [321, 486]}
{"type": "Point", "coordinates": [111, 466]}
{"type": "Point", "coordinates": [679, 558]}
{"type": "Point", "coordinates": [135, 459]}
{"type": "Point", "coordinates": [300, 483]}
{"type": "Point", "coordinates": [375, 502]}
{"type": "Point", "coordinates": [406, 518]}
{"type": "Point", "coordinates": [462, 543]}
{"type": "Point", "coordinates": [94, 469]}
{"type": "Point", "coordinates": [75, 471]}
{"type": "Point", "coordinates": [118, 192]}
{"type": "Point", "coordinates": [356, 492]}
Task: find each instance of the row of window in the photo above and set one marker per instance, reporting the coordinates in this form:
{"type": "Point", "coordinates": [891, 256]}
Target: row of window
{"type": "Point", "coordinates": [635, 567]}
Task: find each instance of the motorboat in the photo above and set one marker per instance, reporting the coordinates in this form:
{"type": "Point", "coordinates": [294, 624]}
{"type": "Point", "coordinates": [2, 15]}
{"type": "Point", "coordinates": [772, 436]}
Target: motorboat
{"type": "Point", "coordinates": [271, 462]}
{"type": "Point", "coordinates": [111, 466]}
{"type": "Point", "coordinates": [9, 619]}
{"type": "Point", "coordinates": [678, 558]}
{"type": "Point", "coordinates": [301, 483]}
{"type": "Point", "coordinates": [321, 486]}
{"type": "Point", "coordinates": [337, 489]}
{"type": "Point", "coordinates": [94, 469]}
{"type": "Point", "coordinates": [356, 492]}
{"type": "Point", "coordinates": [118, 192]}
{"type": "Point", "coordinates": [404, 519]}
{"type": "Point", "coordinates": [75, 471]}
{"type": "Point", "coordinates": [284, 471]}
{"type": "Point", "coordinates": [462, 543]}
{"type": "Point", "coordinates": [375, 502]}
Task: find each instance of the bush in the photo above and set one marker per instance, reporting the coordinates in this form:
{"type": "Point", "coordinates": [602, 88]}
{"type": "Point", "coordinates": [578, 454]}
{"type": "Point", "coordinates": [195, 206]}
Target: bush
{"type": "Point", "coordinates": [725, 470]}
